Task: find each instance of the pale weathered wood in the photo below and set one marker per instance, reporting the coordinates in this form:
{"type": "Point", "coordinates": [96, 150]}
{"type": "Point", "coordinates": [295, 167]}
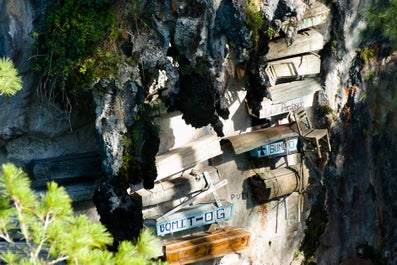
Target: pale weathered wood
{"type": "Point", "coordinates": [278, 182]}
{"type": "Point", "coordinates": [182, 158]}
{"type": "Point", "coordinates": [306, 64]}
{"type": "Point", "coordinates": [206, 246]}
{"type": "Point", "coordinates": [305, 42]}
{"type": "Point", "coordinates": [293, 90]}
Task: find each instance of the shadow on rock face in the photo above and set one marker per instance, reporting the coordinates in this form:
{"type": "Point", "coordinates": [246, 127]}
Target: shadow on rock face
{"type": "Point", "coordinates": [121, 215]}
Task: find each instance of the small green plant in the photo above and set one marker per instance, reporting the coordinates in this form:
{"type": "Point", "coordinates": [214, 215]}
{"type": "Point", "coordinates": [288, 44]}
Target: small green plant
{"type": "Point", "coordinates": [366, 54]}
{"type": "Point", "coordinates": [370, 74]}
{"type": "Point", "coordinates": [10, 81]}
{"type": "Point", "coordinates": [70, 56]}
{"type": "Point", "coordinates": [254, 18]}
{"type": "Point", "coordinates": [42, 229]}
{"type": "Point", "coordinates": [382, 17]}
{"type": "Point", "coordinates": [270, 32]}
{"type": "Point", "coordinates": [297, 253]}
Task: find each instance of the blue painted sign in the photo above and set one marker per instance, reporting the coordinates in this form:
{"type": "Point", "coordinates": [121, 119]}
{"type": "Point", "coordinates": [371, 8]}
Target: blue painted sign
{"type": "Point", "coordinates": [202, 214]}
{"type": "Point", "coordinates": [281, 148]}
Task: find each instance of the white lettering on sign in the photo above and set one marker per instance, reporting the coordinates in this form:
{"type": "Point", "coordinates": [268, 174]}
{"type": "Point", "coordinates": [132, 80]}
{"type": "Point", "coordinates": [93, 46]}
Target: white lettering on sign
{"type": "Point", "coordinates": [195, 219]}
{"type": "Point", "coordinates": [269, 110]}
{"type": "Point", "coordinates": [276, 149]}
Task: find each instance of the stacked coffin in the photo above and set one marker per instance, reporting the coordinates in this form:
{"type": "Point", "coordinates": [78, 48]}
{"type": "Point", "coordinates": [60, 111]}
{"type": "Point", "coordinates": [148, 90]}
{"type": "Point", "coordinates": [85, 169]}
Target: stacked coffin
{"type": "Point", "coordinates": [205, 246]}
{"type": "Point", "coordinates": [279, 182]}
{"type": "Point", "coordinates": [78, 173]}
{"type": "Point", "coordinates": [292, 68]}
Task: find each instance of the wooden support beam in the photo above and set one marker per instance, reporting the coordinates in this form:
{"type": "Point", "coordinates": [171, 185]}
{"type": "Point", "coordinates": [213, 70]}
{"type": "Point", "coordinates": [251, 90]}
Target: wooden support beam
{"type": "Point", "coordinates": [278, 182]}
{"type": "Point", "coordinates": [306, 41]}
{"type": "Point", "coordinates": [206, 246]}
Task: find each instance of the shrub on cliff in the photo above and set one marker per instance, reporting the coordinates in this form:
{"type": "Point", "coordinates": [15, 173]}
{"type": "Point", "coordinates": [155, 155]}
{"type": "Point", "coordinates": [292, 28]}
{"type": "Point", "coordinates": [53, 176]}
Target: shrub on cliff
{"type": "Point", "coordinates": [10, 82]}
{"type": "Point", "coordinates": [382, 18]}
{"type": "Point", "coordinates": [41, 229]}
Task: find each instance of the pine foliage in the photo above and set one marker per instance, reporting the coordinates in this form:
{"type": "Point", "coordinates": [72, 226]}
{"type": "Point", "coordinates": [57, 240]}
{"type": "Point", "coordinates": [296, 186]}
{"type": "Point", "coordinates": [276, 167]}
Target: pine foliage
{"type": "Point", "coordinates": [381, 17]}
{"type": "Point", "coordinates": [10, 82]}
{"type": "Point", "coordinates": [42, 229]}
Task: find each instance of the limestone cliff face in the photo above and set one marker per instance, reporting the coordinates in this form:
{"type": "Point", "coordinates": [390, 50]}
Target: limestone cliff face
{"type": "Point", "coordinates": [192, 57]}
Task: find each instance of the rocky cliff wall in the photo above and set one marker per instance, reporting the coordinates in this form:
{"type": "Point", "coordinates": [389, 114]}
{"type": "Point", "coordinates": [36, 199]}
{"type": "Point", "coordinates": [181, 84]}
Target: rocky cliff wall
{"type": "Point", "coordinates": [200, 59]}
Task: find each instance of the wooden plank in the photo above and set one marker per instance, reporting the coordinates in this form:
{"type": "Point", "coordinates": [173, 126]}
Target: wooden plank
{"type": "Point", "coordinates": [306, 41]}
{"type": "Point", "coordinates": [280, 148]}
{"type": "Point", "coordinates": [190, 217]}
{"type": "Point", "coordinates": [306, 64]}
{"type": "Point", "coordinates": [248, 141]}
{"type": "Point", "coordinates": [182, 158]}
{"type": "Point", "coordinates": [206, 246]}
{"type": "Point", "coordinates": [278, 182]}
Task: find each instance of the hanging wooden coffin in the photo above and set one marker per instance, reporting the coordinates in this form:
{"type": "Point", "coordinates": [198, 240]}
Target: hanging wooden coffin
{"type": "Point", "coordinates": [288, 97]}
{"type": "Point", "coordinates": [190, 217]}
{"type": "Point", "coordinates": [306, 41]}
{"type": "Point", "coordinates": [173, 189]}
{"type": "Point", "coordinates": [298, 66]}
{"type": "Point", "coordinates": [280, 148]}
{"type": "Point", "coordinates": [206, 246]}
{"type": "Point", "coordinates": [278, 182]}
{"type": "Point", "coordinates": [315, 15]}
{"type": "Point", "coordinates": [185, 157]}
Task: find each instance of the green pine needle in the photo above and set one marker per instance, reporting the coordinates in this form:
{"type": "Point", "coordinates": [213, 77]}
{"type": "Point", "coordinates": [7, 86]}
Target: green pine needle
{"type": "Point", "coordinates": [10, 82]}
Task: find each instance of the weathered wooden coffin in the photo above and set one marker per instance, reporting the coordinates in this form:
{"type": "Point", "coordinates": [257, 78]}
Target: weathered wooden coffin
{"type": "Point", "coordinates": [288, 97]}
{"type": "Point", "coordinates": [182, 158]}
{"type": "Point", "coordinates": [176, 188]}
{"type": "Point", "coordinates": [190, 217]}
{"type": "Point", "coordinates": [315, 15]}
{"type": "Point", "coordinates": [278, 182]}
{"type": "Point", "coordinates": [281, 148]}
{"type": "Point", "coordinates": [206, 246]}
{"type": "Point", "coordinates": [65, 169]}
{"type": "Point", "coordinates": [306, 41]}
{"type": "Point", "coordinates": [295, 67]}
{"type": "Point", "coordinates": [248, 141]}
{"type": "Point", "coordinates": [78, 173]}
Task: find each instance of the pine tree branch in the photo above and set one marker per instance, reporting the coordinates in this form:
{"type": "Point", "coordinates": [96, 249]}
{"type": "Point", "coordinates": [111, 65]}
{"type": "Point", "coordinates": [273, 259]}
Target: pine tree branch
{"type": "Point", "coordinates": [23, 227]}
{"type": "Point", "coordinates": [43, 236]}
{"type": "Point", "coordinates": [6, 236]}
{"type": "Point", "coordinates": [59, 259]}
